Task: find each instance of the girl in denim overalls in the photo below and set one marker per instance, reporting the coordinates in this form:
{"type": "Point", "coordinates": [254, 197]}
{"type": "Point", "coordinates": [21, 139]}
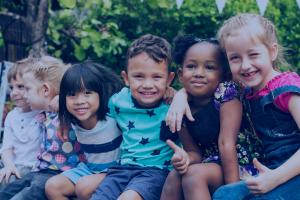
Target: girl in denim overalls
{"type": "Point", "coordinates": [273, 104]}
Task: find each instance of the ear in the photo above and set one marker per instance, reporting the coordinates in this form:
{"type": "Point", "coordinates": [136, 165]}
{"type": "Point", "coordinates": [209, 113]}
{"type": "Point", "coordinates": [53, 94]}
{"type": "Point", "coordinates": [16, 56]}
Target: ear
{"type": "Point", "coordinates": [179, 73]}
{"type": "Point", "coordinates": [170, 78]}
{"type": "Point", "coordinates": [274, 51]}
{"type": "Point", "coordinates": [46, 89]}
{"type": "Point", "coordinates": [125, 77]}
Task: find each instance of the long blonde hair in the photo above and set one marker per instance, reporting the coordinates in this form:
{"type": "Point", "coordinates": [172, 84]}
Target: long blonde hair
{"type": "Point", "coordinates": [258, 28]}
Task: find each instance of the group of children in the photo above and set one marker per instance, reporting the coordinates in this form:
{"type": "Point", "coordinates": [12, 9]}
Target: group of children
{"type": "Point", "coordinates": [114, 141]}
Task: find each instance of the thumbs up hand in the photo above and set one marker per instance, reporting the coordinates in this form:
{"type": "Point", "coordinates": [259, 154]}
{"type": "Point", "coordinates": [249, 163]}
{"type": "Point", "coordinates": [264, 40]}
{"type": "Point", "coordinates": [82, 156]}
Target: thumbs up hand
{"type": "Point", "coordinates": [180, 159]}
{"type": "Point", "coordinates": [262, 183]}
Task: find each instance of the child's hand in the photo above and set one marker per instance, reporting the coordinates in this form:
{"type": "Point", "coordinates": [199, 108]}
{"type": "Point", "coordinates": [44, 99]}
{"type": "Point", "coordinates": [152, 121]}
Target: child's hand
{"type": "Point", "coordinates": [53, 106]}
{"type": "Point", "coordinates": [177, 109]}
{"type": "Point", "coordinates": [262, 183]}
{"type": "Point", "coordinates": [6, 172]}
{"type": "Point", "coordinates": [170, 93]}
{"type": "Point", "coordinates": [180, 159]}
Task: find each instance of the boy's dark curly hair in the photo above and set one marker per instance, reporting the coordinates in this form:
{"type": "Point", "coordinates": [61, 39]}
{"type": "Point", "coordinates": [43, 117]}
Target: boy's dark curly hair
{"type": "Point", "coordinates": [181, 45]}
{"type": "Point", "coordinates": [157, 48]}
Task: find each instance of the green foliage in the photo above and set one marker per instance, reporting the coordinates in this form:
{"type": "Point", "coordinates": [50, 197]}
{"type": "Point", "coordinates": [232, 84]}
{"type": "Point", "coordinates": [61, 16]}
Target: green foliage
{"type": "Point", "coordinates": [103, 29]}
{"type": "Point", "coordinates": [1, 40]}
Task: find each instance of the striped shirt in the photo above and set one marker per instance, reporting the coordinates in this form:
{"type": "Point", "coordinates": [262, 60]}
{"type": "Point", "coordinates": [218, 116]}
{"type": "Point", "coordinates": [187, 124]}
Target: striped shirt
{"type": "Point", "coordinates": [101, 145]}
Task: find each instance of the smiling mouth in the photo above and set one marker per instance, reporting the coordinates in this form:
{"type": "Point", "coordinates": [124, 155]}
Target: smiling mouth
{"type": "Point", "coordinates": [147, 93]}
{"type": "Point", "coordinates": [81, 111]}
{"type": "Point", "coordinates": [249, 74]}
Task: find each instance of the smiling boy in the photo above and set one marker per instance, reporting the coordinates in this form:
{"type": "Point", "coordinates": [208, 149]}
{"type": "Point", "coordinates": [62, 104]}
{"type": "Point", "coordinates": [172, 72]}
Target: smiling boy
{"type": "Point", "coordinates": [140, 111]}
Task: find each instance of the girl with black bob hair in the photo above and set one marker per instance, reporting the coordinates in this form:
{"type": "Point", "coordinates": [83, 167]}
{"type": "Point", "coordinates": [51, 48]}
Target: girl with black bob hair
{"type": "Point", "coordinates": [83, 107]}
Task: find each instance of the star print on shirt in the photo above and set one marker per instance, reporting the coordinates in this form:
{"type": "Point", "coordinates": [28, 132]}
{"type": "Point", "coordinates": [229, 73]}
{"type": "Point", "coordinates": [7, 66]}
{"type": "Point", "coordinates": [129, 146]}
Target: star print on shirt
{"type": "Point", "coordinates": [144, 141]}
{"type": "Point", "coordinates": [150, 113]}
{"type": "Point", "coordinates": [130, 125]}
{"type": "Point", "coordinates": [155, 152]}
{"type": "Point", "coordinates": [134, 159]}
{"type": "Point", "coordinates": [167, 162]}
{"type": "Point", "coordinates": [117, 109]}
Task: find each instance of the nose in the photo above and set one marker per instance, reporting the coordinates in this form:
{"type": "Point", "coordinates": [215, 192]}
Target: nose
{"type": "Point", "coordinates": [199, 71]}
{"type": "Point", "coordinates": [148, 83]}
{"type": "Point", "coordinates": [79, 99]}
{"type": "Point", "coordinates": [245, 65]}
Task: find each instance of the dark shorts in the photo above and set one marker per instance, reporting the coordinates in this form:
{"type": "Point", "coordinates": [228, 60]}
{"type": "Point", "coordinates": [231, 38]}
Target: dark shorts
{"type": "Point", "coordinates": [146, 181]}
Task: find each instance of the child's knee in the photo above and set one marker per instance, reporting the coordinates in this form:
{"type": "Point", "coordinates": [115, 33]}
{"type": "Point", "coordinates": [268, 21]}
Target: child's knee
{"type": "Point", "coordinates": [81, 190]}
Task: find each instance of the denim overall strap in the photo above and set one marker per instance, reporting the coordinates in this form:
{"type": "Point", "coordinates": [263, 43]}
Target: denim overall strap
{"type": "Point", "coordinates": [278, 91]}
{"type": "Point", "coordinates": [277, 130]}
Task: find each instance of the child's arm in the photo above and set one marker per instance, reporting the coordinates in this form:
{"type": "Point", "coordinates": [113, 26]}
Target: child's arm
{"type": "Point", "coordinates": [177, 109]}
{"type": "Point", "coordinates": [9, 166]}
{"type": "Point", "coordinates": [269, 179]}
{"type": "Point", "coordinates": [169, 95]}
{"type": "Point", "coordinates": [230, 121]}
{"type": "Point", "coordinates": [183, 157]}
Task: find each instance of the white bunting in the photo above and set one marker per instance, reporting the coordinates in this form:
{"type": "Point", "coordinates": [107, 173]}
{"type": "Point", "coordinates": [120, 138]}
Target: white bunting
{"type": "Point", "coordinates": [179, 3]}
{"type": "Point", "coordinates": [220, 5]}
{"type": "Point", "coordinates": [298, 3]}
{"type": "Point", "coordinates": [262, 5]}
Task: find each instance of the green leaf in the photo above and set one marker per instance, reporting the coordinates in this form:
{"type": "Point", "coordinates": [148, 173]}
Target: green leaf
{"type": "Point", "coordinates": [79, 53]}
{"type": "Point", "coordinates": [67, 3]}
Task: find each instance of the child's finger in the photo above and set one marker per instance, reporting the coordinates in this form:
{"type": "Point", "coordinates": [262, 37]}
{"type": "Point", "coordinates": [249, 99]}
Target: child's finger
{"type": "Point", "coordinates": [189, 114]}
{"type": "Point", "coordinates": [173, 146]}
{"type": "Point", "coordinates": [17, 173]}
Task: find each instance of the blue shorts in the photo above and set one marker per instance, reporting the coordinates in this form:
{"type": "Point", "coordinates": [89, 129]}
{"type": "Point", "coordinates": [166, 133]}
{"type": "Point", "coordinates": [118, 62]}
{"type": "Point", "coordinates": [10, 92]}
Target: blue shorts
{"type": "Point", "coordinates": [79, 171]}
{"type": "Point", "coordinates": [146, 181]}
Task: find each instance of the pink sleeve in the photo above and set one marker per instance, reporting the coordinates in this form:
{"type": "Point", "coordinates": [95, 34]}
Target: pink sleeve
{"type": "Point", "coordinates": [282, 101]}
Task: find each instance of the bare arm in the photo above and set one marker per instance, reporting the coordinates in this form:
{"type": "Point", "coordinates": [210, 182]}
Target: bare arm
{"type": "Point", "coordinates": [230, 121]}
{"type": "Point", "coordinates": [190, 146]}
{"type": "Point", "coordinates": [178, 108]}
{"type": "Point", "coordinates": [9, 166]}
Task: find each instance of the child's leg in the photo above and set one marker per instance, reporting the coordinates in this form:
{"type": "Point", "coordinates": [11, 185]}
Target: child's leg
{"type": "Point", "coordinates": [146, 184]}
{"type": "Point", "coordinates": [130, 194]}
{"type": "Point", "coordinates": [59, 187]}
{"type": "Point", "coordinates": [87, 185]}
{"type": "Point", "coordinates": [288, 191]}
{"type": "Point", "coordinates": [35, 188]}
{"type": "Point", "coordinates": [201, 179]}
{"type": "Point", "coordinates": [172, 189]}
{"type": "Point", "coordinates": [232, 191]}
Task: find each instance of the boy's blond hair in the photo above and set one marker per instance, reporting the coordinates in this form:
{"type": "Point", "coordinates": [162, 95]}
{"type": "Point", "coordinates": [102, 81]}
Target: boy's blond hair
{"type": "Point", "coordinates": [47, 69]}
{"type": "Point", "coordinates": [17, 67]}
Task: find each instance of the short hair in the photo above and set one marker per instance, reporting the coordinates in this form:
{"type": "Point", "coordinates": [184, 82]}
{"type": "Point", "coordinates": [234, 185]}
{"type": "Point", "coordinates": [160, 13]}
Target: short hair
{"type": "Point", "coordinates": [157, 48]}
{"type": "Point", "coordinates": [181, 44]}
{"type": "Point", "coordinates": [91, 76]}
{"type": "Point", "coordinates": [264, 31]}
{"type": "Point", "coordinates": [47, 69]}
{"type": "Point", "coordinates": [17, 67]}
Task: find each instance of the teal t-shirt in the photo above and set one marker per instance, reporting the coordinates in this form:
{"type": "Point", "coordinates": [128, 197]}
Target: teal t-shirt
{"type": "Point", "coordinates": [144, 132]}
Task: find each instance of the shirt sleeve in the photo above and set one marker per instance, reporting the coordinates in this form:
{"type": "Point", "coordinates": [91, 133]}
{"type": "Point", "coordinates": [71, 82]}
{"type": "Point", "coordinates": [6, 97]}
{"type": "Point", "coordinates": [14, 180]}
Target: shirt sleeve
{"type": "Point", "coordinates": [8, 136]}
{"type": "Point", "coordinates": [226, 92]}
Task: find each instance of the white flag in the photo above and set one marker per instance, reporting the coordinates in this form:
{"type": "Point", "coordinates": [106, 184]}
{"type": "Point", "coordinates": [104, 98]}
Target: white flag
{"type": "Point", "coordinates": [298, 3]}
{"type": "Point", "coordinates": [179, 3]}
{"type": "Point", "coordinates": [262, 5]}
{"type": "Point", "coordinates": [220, 5]}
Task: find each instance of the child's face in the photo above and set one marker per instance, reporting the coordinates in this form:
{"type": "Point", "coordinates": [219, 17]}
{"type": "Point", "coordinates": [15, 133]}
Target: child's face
{"type": "Point", "coordinates": [17, 91]}
{"type": "Point", "coordinates": [147, 79]}
{"type": "Point", "coordinates": [250, 60]}
{"type": "Point", "coordinates": [84, 106]}
{"type": "Point", "coordinates": [35, 92]}
{"type": "Point", "coordinates": [201, 71]}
